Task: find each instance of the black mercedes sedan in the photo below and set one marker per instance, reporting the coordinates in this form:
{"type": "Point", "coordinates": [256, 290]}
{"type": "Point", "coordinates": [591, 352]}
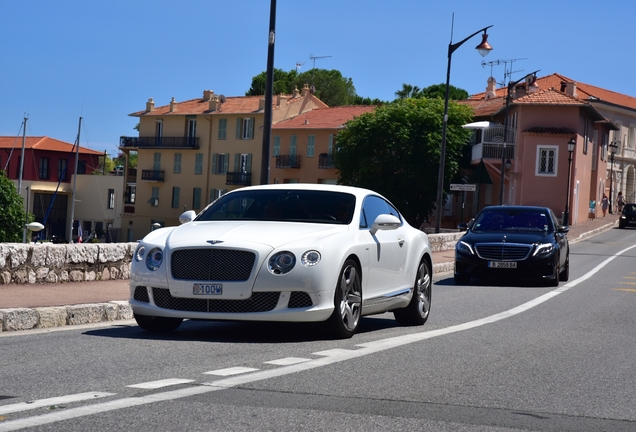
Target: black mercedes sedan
{"type": "Point", "coordinates": [628, 216]}
{"type": "Point", "coordinates": [513, 242]}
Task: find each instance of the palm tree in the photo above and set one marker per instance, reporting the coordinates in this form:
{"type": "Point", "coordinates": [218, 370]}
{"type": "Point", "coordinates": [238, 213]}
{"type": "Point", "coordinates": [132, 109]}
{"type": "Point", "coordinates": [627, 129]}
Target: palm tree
{"type": "Point", "coordinates": [408, 91]}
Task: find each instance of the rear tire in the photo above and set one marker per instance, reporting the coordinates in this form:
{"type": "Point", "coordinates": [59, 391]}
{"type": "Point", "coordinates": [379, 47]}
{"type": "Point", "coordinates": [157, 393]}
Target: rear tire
{"type": "Point", "coordinates": [419, 308]}
{"type": "Point", "coordinates": [343, 322]}
{"type": "Point", "coordinates": [158, 324]}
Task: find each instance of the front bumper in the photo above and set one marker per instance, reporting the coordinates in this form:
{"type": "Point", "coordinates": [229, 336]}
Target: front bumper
{"type": "Point", "coordinates": [532, 267]}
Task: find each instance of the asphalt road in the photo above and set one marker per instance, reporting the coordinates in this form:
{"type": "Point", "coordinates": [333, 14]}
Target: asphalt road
{"type": "Point", "coordinates": [492, 357]}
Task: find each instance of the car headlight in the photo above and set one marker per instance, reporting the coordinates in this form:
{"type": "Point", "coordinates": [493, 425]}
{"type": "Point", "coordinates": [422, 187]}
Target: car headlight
{"type": "Point", "coordinates": [464, 248]}
{"type": "Point", "coordinates": [154, 259]}
{"type": "Point", "coordinates": [140, 253]}
{"type": "Point", "coordinates": [310, 258]}
{"type": "Point", "coordinates": [543, 249]}
{"type": "Point", "coordinates": [623, 217]}
{"type": "Point", "coordinates": [281, 263]}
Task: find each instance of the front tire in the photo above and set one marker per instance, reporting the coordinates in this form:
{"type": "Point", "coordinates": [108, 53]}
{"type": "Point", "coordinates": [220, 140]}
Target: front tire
{"type": "Point", "coordinates": [157, 324]}
{"type": "Point", "coordinates": [419, 308]}
{"type": "Point", "coordinates": [554, 282]}
{"type": "Point", "coordinates": [565, 273]}
{"type": "Point", "coordinates": [347, 311]}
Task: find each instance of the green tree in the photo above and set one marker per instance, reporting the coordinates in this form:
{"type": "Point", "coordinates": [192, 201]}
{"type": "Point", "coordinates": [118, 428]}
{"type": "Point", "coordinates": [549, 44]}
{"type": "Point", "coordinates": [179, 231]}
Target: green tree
{"type": "Point", "coordinates": [12, 214]}
{"type": "Point", "coordinates": [433, 91]}
{"type": "Point", "coordinates": [395, 151]}
{"type": "Point", "coordinates": [106, 165]}
{"type": "Point", "coordinates": [283, 83]}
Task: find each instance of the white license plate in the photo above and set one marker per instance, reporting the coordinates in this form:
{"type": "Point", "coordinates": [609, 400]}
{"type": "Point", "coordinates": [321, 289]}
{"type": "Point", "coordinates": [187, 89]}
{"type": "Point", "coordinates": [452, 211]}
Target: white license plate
{"type": "Point", "coordinates": [207, 289]}
{"type": "Point", "coordinates": [502, 264]}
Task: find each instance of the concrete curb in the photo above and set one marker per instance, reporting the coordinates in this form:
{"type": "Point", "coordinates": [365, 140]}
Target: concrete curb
{"type": "Point", "coordinates": [593, 232]}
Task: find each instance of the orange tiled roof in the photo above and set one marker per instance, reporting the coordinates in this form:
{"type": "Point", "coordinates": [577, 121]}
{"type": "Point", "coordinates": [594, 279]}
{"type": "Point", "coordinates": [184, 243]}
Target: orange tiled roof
{"type": "Point", "coordinates": [42, 143]}
{"type": "Point", "coordinates": [584, 91]}
{"type": "Point", "coordinates": [324, 118]}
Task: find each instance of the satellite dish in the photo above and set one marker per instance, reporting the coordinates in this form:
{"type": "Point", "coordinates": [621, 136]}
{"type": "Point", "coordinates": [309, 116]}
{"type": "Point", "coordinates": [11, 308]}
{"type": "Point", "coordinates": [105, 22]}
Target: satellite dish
{"type": "Point", "coordinates": [221, 98]}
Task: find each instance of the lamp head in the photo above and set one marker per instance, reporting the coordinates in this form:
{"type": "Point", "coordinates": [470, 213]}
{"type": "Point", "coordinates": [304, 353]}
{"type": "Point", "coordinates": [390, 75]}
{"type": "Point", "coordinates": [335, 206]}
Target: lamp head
{"type": "Point", "coordinates": [484, 47]}
{"type": "Point", "coordinates": [571, 145]}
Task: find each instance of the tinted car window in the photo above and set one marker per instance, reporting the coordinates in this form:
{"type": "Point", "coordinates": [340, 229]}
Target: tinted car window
{"type": "Point", "coordinates": [513, 220]}
{"type": "Point", "coordinates": [283, 205]}
{"type": "Point", "coordinates": [374, 206]}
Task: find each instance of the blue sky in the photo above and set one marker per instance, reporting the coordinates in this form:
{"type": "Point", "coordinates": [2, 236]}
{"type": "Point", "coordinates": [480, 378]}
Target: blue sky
{"type": "Point", "coordinates": [102, 60]}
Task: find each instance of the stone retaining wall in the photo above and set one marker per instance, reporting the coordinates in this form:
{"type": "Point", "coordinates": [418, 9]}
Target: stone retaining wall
{"type": "Point", "coordinates": [54, 263]}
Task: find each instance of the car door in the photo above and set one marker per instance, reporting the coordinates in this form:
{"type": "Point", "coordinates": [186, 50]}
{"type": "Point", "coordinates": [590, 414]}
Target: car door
{"type": "Point", "coordinates": [387, 249]}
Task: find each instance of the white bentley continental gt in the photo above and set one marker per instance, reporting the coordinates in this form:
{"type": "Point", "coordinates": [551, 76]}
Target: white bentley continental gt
{"type": "Point", "coordinates": [285, 252]}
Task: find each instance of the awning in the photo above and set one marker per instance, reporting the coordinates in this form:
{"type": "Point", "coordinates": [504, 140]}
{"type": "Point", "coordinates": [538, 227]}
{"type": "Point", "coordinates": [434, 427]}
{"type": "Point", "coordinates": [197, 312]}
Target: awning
{"type": "Point", "coordinates": [477, 125]}
{"type": "Point", "coordinates": [48, 188]}
{"type": "Point", "coordinates": [480, 175]}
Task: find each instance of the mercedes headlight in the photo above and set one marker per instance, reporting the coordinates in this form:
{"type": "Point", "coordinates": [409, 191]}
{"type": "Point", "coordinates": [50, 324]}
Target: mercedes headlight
{"type": "Point", "coordinates": [543, 249]}
{"type": "Point", "coordinates": [464, 247]}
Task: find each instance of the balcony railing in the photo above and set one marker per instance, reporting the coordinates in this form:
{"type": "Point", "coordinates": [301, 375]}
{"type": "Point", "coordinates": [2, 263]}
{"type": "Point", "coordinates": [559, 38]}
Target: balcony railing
{"type": "Point", "coordinates": [238, 178]}
{"type": "Point", "coordinates": [287, 161]}
{"type": "Point", "coordinates": [153, 175]}
{"type": "Point", "coordinates": [490, 145]}
{"type": "Point", "coordinates": [325, 161]}
{"type": "Point", "coordinates": [160, 142]}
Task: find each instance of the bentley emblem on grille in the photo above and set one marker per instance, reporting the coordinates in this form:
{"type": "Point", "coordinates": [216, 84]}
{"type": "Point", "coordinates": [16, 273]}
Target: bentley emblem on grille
{"type": "Point", "coordinates": [213, 242]}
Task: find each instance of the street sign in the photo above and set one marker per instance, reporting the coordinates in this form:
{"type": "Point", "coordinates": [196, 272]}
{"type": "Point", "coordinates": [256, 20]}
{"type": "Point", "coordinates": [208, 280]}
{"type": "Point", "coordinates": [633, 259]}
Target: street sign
{"type": "Point", "coordinates": [463, 187]}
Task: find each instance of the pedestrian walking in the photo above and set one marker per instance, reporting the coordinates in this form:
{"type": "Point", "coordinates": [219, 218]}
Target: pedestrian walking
{"type": "Point", "coordinates": [592, 212]}
{"type": "Point", "coordinates": [620, 199]}
{"type": "Point", "coordinates": [604, 204]}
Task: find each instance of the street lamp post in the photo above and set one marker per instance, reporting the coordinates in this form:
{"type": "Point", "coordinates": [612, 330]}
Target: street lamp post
{"type": "Point", "coordinates": [511, 86]}
{"type": "Point", "coordinates": [613, 146]}
{"type": "Point", "coordinates": [483, 48]}
{"type": "Point", "coordinates": [566, 213]}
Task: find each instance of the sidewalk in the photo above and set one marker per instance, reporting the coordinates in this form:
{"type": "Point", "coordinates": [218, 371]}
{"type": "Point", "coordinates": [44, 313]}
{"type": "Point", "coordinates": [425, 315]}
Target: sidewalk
{"type": "Point", "coordinates": [23, 304]}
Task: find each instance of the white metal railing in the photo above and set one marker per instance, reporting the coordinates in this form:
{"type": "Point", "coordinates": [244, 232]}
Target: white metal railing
{"type": "Point", "coordinates": [491, 145]}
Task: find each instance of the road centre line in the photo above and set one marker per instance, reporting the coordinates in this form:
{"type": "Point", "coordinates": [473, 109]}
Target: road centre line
{"type": "Point", "coordinates": [342, 355]}
{"type": "Point", "coordinates": [25, 406]}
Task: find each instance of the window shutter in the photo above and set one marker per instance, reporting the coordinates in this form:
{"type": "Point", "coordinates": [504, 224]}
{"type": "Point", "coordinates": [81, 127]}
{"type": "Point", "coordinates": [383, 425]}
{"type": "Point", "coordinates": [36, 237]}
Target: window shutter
{"type": "Point", "coordinates": [248, 164]}
{"type": "Point", "coordinates": [239, 122]}
{"type": "Point", "coordinates": [237, 161]}
{"type": "Point", "coordinates": [214, 157]}
{"type": "Point", "coordinates": [252, 127]}
{"type": "Point", "coordinates": [226, 162]}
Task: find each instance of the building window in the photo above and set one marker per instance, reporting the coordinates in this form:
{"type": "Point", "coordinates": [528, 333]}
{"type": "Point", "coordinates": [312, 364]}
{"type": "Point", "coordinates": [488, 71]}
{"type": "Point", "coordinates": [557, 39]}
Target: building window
{"type": "Point", "coordinates": [311, 142]}
{"type": "Point", "coordinates": [111, 198]}
{"type": "Point", "coordinates": [631, 137]}
{"type": "Point", "coordinates": [198, 163]}
{"type": "Point", "coordinates": [44, 168]}
{"type": "Point", "coordinates": [220, 163]}
{"type": "Point", "coordinates": [81, 167]}
{"type": "Point", "coordinates": [586, 136]}
{"type": "Point", "coordinates": [292, 145]}
{"type": "Point", "coordinates": [175, 197]}
{"type": "Point", "coordinates": [158, 132]}
{"type": "Point", "coordinates": [276, 145]}
{"type": "Point", "coordinates": [131, 192]}
{"type": "Point", "coordinates": [192, 129]}
{"type": "Point", "coordinates": [547, 161]}
{"type": "Point", "coordinates": [216, 194]}
{"type": "Point", "coordinates": [154, 198]}
{"type": "Point", "coordinates": [177, 163]}
{"type": "Point", "coordinates": [196, 198]}
{"type": "Point", "coordinates": [595, 150]}
{"type": "Point", "coordinates": [61, 169]}
{"type": "Point", "coordinates": [156, 161]}
{"type": "Point", "coordinates": [245, 128]}
{"type": "Point", "coordinates": [222, 129]}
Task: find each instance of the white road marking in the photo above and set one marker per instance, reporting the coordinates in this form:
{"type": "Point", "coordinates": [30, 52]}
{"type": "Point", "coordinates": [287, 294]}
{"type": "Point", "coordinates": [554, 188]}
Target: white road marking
{"type": "Point", "coordinates": [231, 371]}
{"type": "Point", "coordinates": [160, 383]}
{"type": "Point", "coordinates": [25, 406]}
{"type": "Point", "coordinates": [287, 361]}
{"type": "Point", "coordinates": [366, 349]}
{"type": "Point", "coordinates": [332, 352]}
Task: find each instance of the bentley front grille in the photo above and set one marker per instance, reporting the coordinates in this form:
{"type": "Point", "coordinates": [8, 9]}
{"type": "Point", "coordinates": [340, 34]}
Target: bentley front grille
{"type": "Point", "coordinates": [299, 299]}
{"type": "Point", "coordinates": [212, 264]}
{"type": "Point", "coordinates": [503, 251]}
{"type": "Point", "coordinates": [259, 302]}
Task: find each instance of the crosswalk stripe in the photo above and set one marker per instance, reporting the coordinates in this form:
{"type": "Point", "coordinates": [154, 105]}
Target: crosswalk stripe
{"type": "Point", "coordinates": [230, 371]}
{"type": "Point", "coordinates": [287, 361]}
{"type": "Point", "coordinates": [25, 406]}
{"type": "Point", "coordinates": [160, 383]}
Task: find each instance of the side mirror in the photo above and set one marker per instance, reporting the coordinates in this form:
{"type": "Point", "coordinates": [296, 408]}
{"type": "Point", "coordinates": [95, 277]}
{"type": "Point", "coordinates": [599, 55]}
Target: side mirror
{"type": "Point", "coordinates": [187, 216]}
{"type": "Point", "coordinates": [563, 229]}
{"type": "Point", "coordinates": [462, 226]}
{"type": "Point", "coordinates": [385, 222]}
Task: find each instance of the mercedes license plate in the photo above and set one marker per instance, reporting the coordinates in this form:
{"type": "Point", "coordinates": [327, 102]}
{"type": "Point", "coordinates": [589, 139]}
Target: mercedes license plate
{"type": "Point", "coordinates": [502, 264]}
{"type": "Point", "coordinates": [207, 289]}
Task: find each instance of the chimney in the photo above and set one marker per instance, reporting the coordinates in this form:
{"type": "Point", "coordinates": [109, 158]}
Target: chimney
{"type": "Point", "coordinates": [570, 88]}
{"type": "Point", "coordinates": [306, 121]}
{"type": "Point", "coordinates": [150, 105]}
{"type": "Point", "coordinates": [214, 103]}
{"type": "Point", "coordinates": [261, 104]}
{"type": "Point", "coordinates": [173, 104]}
{"type": "Point", "coordinates": [491, 88]}
{"type": "Point", "coordinates": [296, 93]}
{"type": "Point", "coordinates": [207, 94]}
{"type": "Point", "coordinates": [533, 87]}
{"type": "Point", "coordinates": [305, 90]}
{"type": "Point", "coordinates": [282, 100]}
{"type": "Point", "coordinates": [520, 90]}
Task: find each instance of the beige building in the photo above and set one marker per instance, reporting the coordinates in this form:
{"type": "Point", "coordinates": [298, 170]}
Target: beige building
{"type": "Point", "coordinates": [191, 152]}
{"type": "Point", "coordinates": [302, 146]}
